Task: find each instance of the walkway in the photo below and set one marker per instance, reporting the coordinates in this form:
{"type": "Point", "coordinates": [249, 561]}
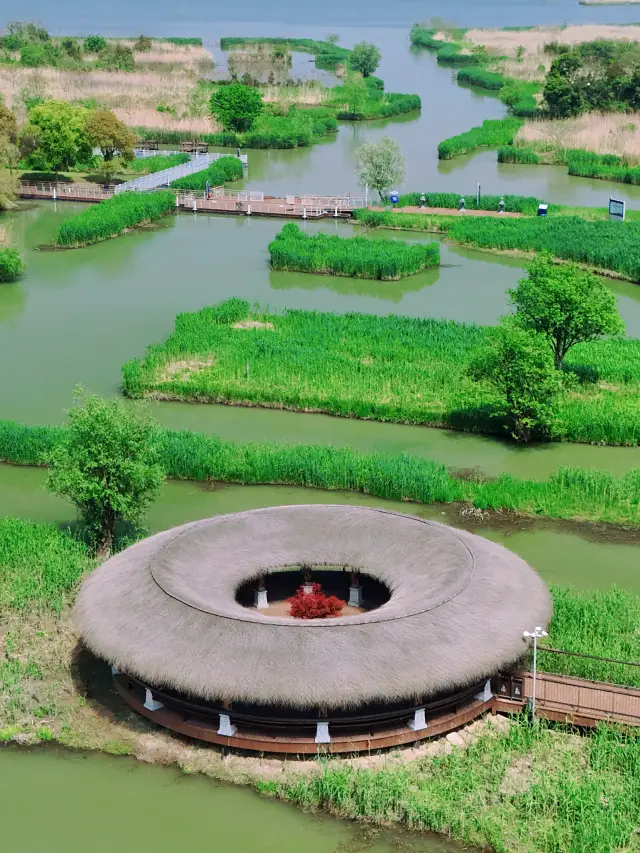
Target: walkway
{"type": "Point", "coordinates": [257, 204]}
{"type": "Point", "coordinates": [198, 163]}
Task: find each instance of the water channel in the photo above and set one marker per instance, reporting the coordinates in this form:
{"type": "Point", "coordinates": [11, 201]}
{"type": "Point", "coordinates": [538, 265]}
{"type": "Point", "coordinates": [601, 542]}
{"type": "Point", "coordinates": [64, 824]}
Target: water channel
{"type": "Point", "coordinates": [77, 316]}
{"type": "Point", "coordinates": [95, 802]}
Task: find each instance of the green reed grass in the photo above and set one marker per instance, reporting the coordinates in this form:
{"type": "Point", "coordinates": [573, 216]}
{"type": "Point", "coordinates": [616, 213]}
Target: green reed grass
{"type": "Point", "coordinates": [399, 369]}
{"type": "Point", "coordinates": [359, 257]}
{"type": "Point", "coordinates": [11, 264]}
{"type": "Point", "coordinates": [40, 565]}
{"type": "Point", "coordinates": [492, 133]}
{"type": "Point", "coordinates": [529, 789]}
{"type": "Point", "coordinates": [219, 173]}
{"type": "Point", "coordinates": [571, 493]}
{"type": "Point", "coordinates": [112, 217]}
{"type": "Point", "coordinates": [147, 165]}
{"type": "Point", "coordinates": [513, 203]}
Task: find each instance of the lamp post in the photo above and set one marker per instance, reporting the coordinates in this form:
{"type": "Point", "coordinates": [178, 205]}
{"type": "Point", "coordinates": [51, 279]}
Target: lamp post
{"type": "Point", "coordinates": [535, 635]}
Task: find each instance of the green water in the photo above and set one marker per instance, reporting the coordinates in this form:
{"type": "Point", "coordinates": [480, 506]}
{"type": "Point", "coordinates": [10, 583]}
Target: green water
{"type": "Point", "coordinates": [77, 316]}
{"type": "Point", "coordinates": [65, 802]}
{"type": "Point", "coordinates": [576, 556]}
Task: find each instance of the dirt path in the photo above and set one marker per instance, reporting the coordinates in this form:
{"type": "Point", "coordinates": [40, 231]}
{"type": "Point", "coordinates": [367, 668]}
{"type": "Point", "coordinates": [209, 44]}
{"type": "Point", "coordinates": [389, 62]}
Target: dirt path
{"type": "Point", "coordinates": [445, 211]}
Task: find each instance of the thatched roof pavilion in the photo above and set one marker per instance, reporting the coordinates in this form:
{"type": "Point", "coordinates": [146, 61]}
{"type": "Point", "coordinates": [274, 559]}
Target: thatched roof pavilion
{"type": "Point", "coordinates": [165, 613]}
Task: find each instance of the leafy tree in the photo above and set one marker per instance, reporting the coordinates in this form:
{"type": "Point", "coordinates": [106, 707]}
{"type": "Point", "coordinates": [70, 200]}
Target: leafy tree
{"type": "Point", "coordinates": [116, 57]}
{"type": "Point", "coordinates": [71, 47]}
{"type": "Point", "coordinates": [143, 44]}
{"type": "Point", "coordinates": [236, 106]}
{"type": "Point", "coordinates": [380, 165]}
{"type": "Point", "coordinates": [365, 58]}
{"type": "Point", "coordinates": [8, 124]}
{"type": "Point", "coordinates": [107, 465]}
{"type": "Point", "coordinates": [563, 98]}
{"type": "Point", "coordinates": [24, 32]}
{"type": "Point", "coordinates": [94, 44]}
{"type": "Point", "coordinates": [332, 38]}
{"type": "Point", "coordinates": [9, 160]}
{"type": "Point", "coordinates": [56, 132]}
{"type": "Point", "coordinates": [36, 55]}
{"type": "Point", "coordinates": [110, 135]}
{"type": "Point", "coordinates": [519, 366]}
{"type": "Point", "coordinates": [566, 304]}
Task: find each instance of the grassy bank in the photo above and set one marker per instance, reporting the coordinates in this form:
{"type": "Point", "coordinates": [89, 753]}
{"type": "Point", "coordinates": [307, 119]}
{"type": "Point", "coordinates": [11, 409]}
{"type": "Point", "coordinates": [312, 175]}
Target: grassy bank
{"type": "Point", "coordinates": [571, 493]}
{"type": "Point", "coordinates": [359, 257]}
{"type": "Point", "coordinates": [579, 162]}
{"type": "Point", "coordinates": [113, 217]}
{"type": "Point", "coordinates": [599, 244]}
{"type": "Point", "coordinates": [521, 789]}
{"type": "Point", "coordinates": [397, 369]}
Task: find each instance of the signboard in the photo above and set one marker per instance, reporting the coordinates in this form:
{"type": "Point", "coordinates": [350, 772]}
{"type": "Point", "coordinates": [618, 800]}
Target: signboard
{"type": "Point", "coordinates": [617, 208]}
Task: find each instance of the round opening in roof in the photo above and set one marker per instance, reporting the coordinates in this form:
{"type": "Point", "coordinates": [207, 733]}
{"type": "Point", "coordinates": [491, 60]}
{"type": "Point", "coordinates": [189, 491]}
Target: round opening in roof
{"type": "Point", "coordinates": [325, 592]}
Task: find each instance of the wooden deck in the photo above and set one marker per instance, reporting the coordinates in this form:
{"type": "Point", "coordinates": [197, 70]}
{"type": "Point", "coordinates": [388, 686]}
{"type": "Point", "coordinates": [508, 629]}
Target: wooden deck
{"type": "Point", "coordinates": [571, 700]}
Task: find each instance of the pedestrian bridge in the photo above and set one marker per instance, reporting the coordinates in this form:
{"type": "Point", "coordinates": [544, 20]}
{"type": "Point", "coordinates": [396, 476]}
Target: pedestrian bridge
{"type": "Point", "coordinates": [197, 163]}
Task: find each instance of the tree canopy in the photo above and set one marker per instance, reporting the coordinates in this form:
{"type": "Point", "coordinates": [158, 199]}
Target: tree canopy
{"type": "Point", "coordinates": [107, 465]}
{"type": "Point", "coordinates": [94, 44]}
{"type": "Point", "coordinates": [110, 135]}
{"type": "Point", "coordinates": [380, 165]}
{"type": "Point", "coordinates": [57, 136]}
{"type": "Point", "coordinates": [236, 106]}
{"type": "Point", "coordinates": [365, 58]}
{"type": "Point", "coordinates": [566, 304]}
{"type": "Point", "coordinates": [8, 124]}
{"type": "Point", "coordinates": [519, 366]}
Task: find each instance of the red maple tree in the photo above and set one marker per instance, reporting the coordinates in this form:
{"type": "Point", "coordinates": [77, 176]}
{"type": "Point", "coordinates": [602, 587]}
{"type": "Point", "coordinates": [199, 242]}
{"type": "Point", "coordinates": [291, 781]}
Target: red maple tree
{"type": "Point", "coordinates": [314, 604]}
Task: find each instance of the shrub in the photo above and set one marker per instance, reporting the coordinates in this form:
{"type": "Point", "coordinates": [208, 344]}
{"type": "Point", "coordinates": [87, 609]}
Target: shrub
{"type": "Point", "coordinates": [315, 604]}
{"type": "Point", "coordinates": [11, 264]}
{"type": "Point", "coordinates": [112, 217]}
{"type": "Point", "coordinates": [39, 55]}
{"type": "Point", "coordinates": [360, 257]}
{"type": "Point", "coordinates": [95, 44]}
{"type": "Point", "coordinates": [493, 133]}
{"type": "Point", "coordinates": [219, 172]}
{"type": "Point", "coordinates": [236, 106]}
{"type": "Point", "coordinates": [518, 154]}
{"type": "Point", "coordinates": [116, 57]}
{"type": "Point", "coordinates": [143, 44]}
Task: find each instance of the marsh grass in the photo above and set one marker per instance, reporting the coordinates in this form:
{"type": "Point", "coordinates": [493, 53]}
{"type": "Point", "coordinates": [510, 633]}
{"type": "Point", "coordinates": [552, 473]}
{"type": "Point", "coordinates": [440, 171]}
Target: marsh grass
{"type": "Point", "coordinates": [359, 257]}
{"type": "Point", "coordinates": [526, 789]}
{"type": "Point", "coordinates": [397, 369]}
{"type": "Point", "coordinates": [611, 133]}
{"type": "Point", "coordinates": [492, 133]}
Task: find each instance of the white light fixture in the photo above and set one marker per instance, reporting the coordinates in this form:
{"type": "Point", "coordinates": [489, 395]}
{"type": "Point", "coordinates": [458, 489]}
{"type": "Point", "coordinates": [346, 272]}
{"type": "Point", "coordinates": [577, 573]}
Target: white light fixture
{"type": "Point", "coordinates": [537, 634]}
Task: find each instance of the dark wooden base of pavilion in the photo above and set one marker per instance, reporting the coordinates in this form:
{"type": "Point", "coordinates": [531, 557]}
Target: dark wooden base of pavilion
{"type": "Point", "coordinates": [272, 735]}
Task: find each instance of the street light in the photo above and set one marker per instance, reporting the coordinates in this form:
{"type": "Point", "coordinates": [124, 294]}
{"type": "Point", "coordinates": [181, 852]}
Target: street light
{"type": "Point", "coordinates": [535, 635]}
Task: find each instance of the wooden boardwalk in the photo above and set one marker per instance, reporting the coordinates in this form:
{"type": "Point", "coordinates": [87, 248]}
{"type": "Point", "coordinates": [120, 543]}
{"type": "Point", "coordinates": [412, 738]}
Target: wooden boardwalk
{"type": "Point", "coordinates": [566, 699]}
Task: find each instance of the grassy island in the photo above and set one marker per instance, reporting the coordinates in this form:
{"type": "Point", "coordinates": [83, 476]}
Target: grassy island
{"type": "Point", "coordinates": [392, 368]}
{"type": "Point", "coordinates": [113, 217]}
{"type": "Point", "coordinates": [359, 257]}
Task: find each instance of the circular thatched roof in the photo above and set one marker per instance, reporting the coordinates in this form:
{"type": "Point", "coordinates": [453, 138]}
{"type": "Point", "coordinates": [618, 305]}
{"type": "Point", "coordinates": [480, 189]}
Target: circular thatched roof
{"type": "Point", "coordinates": [165, 611]}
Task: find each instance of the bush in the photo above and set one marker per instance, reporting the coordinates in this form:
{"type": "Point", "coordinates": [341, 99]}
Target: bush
{"type": "Point", "coordinates": [360, 257]}
{"type": "Point", "coordinates": [112, 217]}
{"type": "Point", "coordinates": [315, 604]}
{"type": "Point", "coordinates": [95, 44]}
{"type": "Point", "coordinates": [143, 44]}
{"type": "Point", "coordinates": [40, 55]}
{"type": "Point", "coordinates": [219, 172]}
{"type": "Point", "coordinates": [518, 154]}
{"type": "Point", "coordinates": [492, 133]}
{"type": "Point", "coordinates": [116, 57]}
{"type": "Point", "coordinates": [11, 264]}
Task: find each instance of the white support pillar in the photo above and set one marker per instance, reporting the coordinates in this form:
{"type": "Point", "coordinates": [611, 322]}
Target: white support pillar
{"type": "Point", "coordinates": [248, 210]}
{"type": "Point", "coordinates": [322, 732]}
{"type": "Point", "coordinates": [226, 727]}
{"type": "Point", "coordinates": [486, 693]}
{"type": "Point", "coordinates": [195, 204]}
{"type": "Point", "coordinates": [418, 723]}
{"type": "Point", "coordinates": [336, 213]}
{"type": "Point", "coordinates": [355, 596]}
{"type": "Point", "coordinates": [260, 598]}
{"type": "Point", "coordinates": [304, 212]}
{"type": "Point", "coordinates": [150, 703]}
{"type": "Point", "coordinates": [54, 194]}
{"type": "Point", "coordinates": [177, 202]}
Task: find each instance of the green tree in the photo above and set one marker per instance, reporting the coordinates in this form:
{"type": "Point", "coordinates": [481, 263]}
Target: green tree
{"type": "Point", "coordinates": [354, 93]}
{"type": "Point", "coordinates": [8, 124]}
{"type": "Point", "coordinates": [94, 44]}
{"type": "Point", "coordinates": [143, 44]}
{"type": "Point", "coordinates": [364, 58]}
{"type": "Point", "coordinates": [566, 304]}
{"type": "Point", "coordinates": [71, 48]}
{"type": "Point", "coordinates": [106, 132]}
{"type": "Point", "coordinates": [107, 465]}
{"type": "Point", "coordinates": [36, 55]}
{"type": "Point", "coordinates": [59, 131]}
{"type": "Point", "coordinates": [236, 106]}
{"type": "Point", "coordinates": [563, 89]}
{"type": "Point", "coordinates": [116, 57]}
{"type": "Point", "coordinates": [519, 366]}
{"type": "Point", "coordinates": [332, 38]}
{"type": "Point", "coordinates": [380, 165]}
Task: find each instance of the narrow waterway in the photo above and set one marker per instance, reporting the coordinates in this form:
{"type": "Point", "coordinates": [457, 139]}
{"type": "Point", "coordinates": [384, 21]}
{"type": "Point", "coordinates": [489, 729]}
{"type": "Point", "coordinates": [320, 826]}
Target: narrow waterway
{"type": "Point", "coordinates": [582, 556]}
{"type": "Point", "coordinates": [77, 316]}
{"type": "Point", "coordinates": [54, 801]}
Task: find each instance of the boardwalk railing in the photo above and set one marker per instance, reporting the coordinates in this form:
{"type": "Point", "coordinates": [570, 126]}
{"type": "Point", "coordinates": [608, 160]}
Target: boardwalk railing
{"type": "Point", "coordinates": [273, 207]}
{"type": "Point", "coordinates": [65, 191]}
{"type": "Point", "coordinates": [198, 163]}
